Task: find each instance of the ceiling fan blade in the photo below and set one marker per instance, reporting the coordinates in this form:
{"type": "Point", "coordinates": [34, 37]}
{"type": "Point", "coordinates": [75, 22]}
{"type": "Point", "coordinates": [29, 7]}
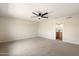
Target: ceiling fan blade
{"type": "Point", "coordinates": [45, 17]}
{"type": "Point", "coordinates": [44, 14]}
{"type": "Point", "coordinates": [35, 13]}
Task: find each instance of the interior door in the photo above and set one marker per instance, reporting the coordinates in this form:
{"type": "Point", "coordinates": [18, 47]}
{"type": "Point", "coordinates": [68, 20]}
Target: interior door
{"type": "Point", "coordinates": [58, 35]}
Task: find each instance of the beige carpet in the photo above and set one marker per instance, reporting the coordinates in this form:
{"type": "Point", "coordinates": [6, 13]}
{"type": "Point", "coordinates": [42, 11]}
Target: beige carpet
{"type": "Point", "coordinates": [39, 47]}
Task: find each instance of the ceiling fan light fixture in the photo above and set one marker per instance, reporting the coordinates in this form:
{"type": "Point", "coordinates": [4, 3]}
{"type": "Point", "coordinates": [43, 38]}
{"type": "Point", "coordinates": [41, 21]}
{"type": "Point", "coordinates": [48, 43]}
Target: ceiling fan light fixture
{"type": "Point", "coordinates": [39, 17]}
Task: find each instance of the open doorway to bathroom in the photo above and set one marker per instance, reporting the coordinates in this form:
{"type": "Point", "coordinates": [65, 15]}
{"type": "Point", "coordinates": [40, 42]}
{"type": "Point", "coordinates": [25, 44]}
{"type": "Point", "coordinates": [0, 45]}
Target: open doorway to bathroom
{"type": "Point", "coordinates": [59, 32]}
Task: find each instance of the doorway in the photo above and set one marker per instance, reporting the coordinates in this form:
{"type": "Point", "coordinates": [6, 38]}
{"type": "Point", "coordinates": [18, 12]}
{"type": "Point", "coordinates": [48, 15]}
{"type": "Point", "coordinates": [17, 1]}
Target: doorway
{"type": "Point", "coordinates": [59, 31]}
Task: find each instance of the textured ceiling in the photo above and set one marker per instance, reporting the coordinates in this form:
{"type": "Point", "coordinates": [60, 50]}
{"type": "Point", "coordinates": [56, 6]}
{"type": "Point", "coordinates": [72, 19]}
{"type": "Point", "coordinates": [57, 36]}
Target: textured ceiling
{"type": "Point", "coordinates": [24, 10]}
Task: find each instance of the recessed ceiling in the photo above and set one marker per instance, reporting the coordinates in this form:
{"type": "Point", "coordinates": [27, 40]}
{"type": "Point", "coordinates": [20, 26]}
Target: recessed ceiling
{"type": "Point", "coordinates": [24, 10]}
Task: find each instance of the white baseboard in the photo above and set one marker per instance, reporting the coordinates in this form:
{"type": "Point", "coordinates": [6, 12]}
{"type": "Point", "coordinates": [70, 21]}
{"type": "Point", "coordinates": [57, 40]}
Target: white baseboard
{"type": "Point", "coordinates": [16, 39]}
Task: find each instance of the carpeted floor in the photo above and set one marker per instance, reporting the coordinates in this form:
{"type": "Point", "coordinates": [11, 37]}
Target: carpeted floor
{"type": "Point", "coordinates": [38, 47]}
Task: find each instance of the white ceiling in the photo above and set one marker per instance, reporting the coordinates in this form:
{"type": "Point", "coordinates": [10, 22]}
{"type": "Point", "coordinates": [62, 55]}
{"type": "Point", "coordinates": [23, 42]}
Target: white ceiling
{"type": "Point", "coordinates": [24, 10]}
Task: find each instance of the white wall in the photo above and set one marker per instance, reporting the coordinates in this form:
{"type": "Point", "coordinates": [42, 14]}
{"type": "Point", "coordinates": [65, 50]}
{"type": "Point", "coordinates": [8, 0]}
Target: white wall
{"type": "Point", "coordinates": [71, 30]}
{"type": "Point", "coordinates": [47, 29]}
{"type": "Point", "coordinates": [14, 29]}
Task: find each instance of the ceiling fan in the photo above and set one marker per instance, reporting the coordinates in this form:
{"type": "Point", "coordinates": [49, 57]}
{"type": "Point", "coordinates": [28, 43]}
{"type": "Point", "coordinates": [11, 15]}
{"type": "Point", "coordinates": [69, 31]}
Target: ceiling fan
{"type": "Point", "coordinates": [40, 14]}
